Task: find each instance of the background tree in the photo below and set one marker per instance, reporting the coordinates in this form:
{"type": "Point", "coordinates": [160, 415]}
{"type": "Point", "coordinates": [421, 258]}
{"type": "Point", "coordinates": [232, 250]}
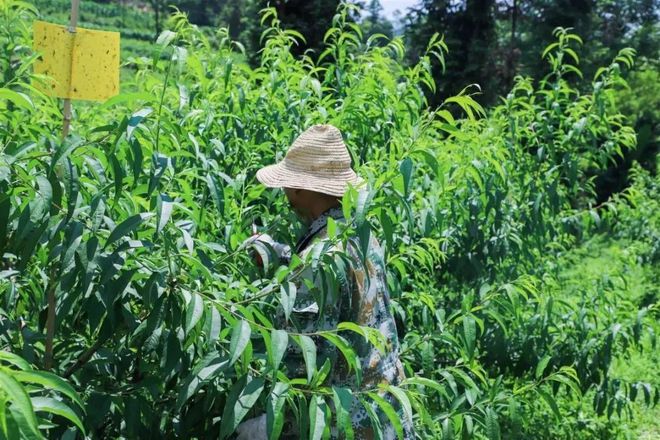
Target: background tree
{"type": "Point", "coordinates": [469, 30]}
{"type": "Point", "coordinates": [159, 9]}
{"type": "Point", "coordinates": [374, 22]}
{"type": "Point", "coordinates": [309, 17]}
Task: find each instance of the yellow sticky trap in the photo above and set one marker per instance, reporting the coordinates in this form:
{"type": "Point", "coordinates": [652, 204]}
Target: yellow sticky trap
{"type": "Point", "coordinates": [83, 65]}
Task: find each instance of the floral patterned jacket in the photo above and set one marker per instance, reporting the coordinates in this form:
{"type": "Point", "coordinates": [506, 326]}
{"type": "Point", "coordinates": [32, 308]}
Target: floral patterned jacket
{"type": "Point", "coordinates": [356, 294]}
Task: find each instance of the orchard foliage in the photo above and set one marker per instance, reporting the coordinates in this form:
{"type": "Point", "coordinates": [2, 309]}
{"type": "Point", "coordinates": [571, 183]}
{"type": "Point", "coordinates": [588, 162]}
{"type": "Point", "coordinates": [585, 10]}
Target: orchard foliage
{"type": "Point", "coordinates": [123, 274]}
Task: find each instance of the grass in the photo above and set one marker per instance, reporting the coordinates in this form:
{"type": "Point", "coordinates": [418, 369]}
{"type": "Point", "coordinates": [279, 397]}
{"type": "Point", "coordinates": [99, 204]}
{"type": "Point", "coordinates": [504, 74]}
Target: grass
{"type": "Point", "coordinates": [601, 258]}
{"type": "Point", "coordinates": [135, 25]}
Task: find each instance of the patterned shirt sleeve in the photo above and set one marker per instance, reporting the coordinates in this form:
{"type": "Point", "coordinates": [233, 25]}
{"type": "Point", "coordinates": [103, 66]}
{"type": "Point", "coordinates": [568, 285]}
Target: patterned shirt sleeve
{"type": "Point", "coordinates": [318, 305]}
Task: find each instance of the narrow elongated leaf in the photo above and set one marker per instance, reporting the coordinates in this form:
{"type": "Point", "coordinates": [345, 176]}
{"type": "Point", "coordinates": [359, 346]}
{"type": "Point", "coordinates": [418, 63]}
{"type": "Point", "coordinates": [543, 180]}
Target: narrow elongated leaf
{"type": "Point", "coordinates": [309, 354]}
{"type": "Point", "coordinates": [19, 99]}
{"type": "Point", "coordinates": [21, 404]}
{"type": "Point", "coordinates": [213, 324]}
{"type": "Point", "coordinates": [316, 417]}
{"type": "Point", "coordinates": [118, 174]}
{"type": "Point", "coordinates": [492, 425]}
{"type": "Point", "coordinates": [275, 410]}
{"type": "Point", "coordinates": [217, 193]}
{"type": "Point", "coordinates": [14, 359]}
{"type": "Point", "coordinates": [126, 98]}
{"type": "Point", "coordinates": [208, 368]}
{"type": "Point", "coordinates": [343, 400]}
{"type": "Point", "coordinates": [406, 168]}
{"type": "Point", "coordinates": [57, 407]}
{"type": "Point", "coordinates": [137, 160]}
{"type": "Point", "coordinates": [194, 311]}
{"type": "Point", "coordinates": [543, 363]}
{"type": "Point", "coordinates": [240, 337]}
{"type": "Point", "coordinates": [550, 400]}
{"type": "Point", "coordinates": [515, 415]}
{"type": "Point", "coordinates": [51, 381]}
{"type": "Point", "coordinates": [347, 351]}
{"type": "Point", "coordinates": [135, 120]}
{"type": "Point", "coordinates": [373, 417]}
{"type": "Point", "coordinates": [390, 412]}
{"type": "Point", "coordinates": [126, 227]}
{"type": "Point", "coordinates": [287, 297]}
{"type": "Point", "coordinates": [165, 38]}
{"type": "Point", "coordinates": [447, 429]}
{"type": "Point", "coordinates": [241, 398]}
{"type": "Point", "coordinates": [45, 190]}
{"type": "Point", "coordinates": [402, 397]}
{"type": "Point", "coordinates": [279, 341]}
{"type": "Point", "coordinates": [165, 207]}
{"type": "Point", "coordinates": [425, 382]}
{"type": "Point", "coordinates": [470, 335]}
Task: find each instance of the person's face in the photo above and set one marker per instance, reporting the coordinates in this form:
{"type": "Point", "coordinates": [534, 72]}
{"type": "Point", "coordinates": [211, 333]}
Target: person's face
{"type": "Point", "coordinates": [299, 202]}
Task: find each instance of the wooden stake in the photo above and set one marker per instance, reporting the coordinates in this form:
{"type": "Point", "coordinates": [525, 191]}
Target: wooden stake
{"type": "Point", "coordinates": [52, 282]}
{"type": "Point", "coordinates": [75, 4]}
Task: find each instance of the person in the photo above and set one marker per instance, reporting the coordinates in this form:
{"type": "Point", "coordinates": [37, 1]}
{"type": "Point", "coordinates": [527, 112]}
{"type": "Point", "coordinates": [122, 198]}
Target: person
{"type": "Point", "coordinates": [315, 174]}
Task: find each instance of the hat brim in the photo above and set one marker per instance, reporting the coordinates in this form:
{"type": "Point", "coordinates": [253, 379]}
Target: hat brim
{"type": "Point", "coordinates": [279, 176]}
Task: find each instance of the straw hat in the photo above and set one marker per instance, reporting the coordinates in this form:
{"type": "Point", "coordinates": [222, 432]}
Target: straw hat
{"type": "Point", "coordinates": [318, 160]}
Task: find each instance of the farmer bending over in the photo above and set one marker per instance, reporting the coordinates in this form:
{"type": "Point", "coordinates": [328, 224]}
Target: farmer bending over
{"type": "Point", "coordinates": [315, 174]}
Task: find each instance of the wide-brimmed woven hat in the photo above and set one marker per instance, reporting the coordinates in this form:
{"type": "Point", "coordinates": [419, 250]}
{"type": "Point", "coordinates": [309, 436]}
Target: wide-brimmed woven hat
{"type": "Point", "coordinates": [318, 160]}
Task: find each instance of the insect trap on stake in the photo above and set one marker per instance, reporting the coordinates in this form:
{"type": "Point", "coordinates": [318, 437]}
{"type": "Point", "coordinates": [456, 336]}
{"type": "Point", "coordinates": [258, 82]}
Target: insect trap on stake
{"type": "Point", "coordinates": [80, 63]}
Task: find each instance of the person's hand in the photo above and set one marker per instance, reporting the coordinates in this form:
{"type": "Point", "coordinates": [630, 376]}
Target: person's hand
{"type": "Point", "coordinates": [253, 429]}
{"type": "Point", "coordinates": [265, 248]}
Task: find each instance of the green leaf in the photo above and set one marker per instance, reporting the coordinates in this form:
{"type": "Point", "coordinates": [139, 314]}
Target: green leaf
{"type": "Point", "coordinates": [217, 193]}
{"type": "Point", "coordinates": [194, 311]}
{"type": "Point", "coordinates": [137, 160]}
{"type": "Point", "coordinates": [550, 400]}
{"type": "Point", "coordinates": [213, 324]}
{"type": "Point", "coordinates": [165, 206]}
{"type": "Point", "coordinates": [376, 424]}
{"type": "Point", "coordinates": [275, 410]}
{"type": "Point", "coordinates": [321, 375]}
{"type": "Point", "coordinates": [279, 342]}
{"type": "Point", "coordinates": [316, 417]}
{"type": "Point", "coordinates": [287, 297]}
{"type": "Point", "coordinates": [126, 227]}
{"type": "Point", "coordinates": [343, 400]}
{"type": "Point", "coordinates": [347, 351]}
{"type": "Point", "coordinates": [207, 369]}
{"type": "Point", "coordinates": [515, 415]}
{"type": "Point", "coordinates": [118, 173]}
{"type": "Point", "coordinates": [240, 337]}
{"type": "Point", "coordinates": [373, 335]}
{"type": "Point", "coordinates": [241, 399]}
{"type": "Point", "coordinates": [165, 38]}
{"type": "Point", "coordinates": [571, 383]}
{"type": "Point", "coordinates": [549, 48]}
{"type": "Point", "coordinates": [126, 98]}
{"type": "Point", "coordinates": [51, 381]}
{"type": "Point", "coordinates": [309, 354]}
{"type": "Point", "coordinates": [447, 429]}
{"type": "Point", "coordinates": [492, 425]}
{"type": "Point", "coordinates": [19, 99]}
{"type": "Point", "coordinates": [390, 412]}
{"type": "Point", "coordinates": [470, 335]}
{"type": "Point", "coordinates": [21, 405]}
{"type": "Point", "coordinates": [135, 119]}
{"type": "Point", "coordinates": [406, 168]}
{"type": "Point", "coordinates": [14, 359]}
{"type": "Point", "coordinates": [425, 382]}
{"type": "Point", "coordinates": [57, 407]}
{"type": "Point", "coordinates": [543, 363]}
{"type": "Point", "coordinates": [352, 327]}
{"type": "Point", "coordinates": [402, 397]}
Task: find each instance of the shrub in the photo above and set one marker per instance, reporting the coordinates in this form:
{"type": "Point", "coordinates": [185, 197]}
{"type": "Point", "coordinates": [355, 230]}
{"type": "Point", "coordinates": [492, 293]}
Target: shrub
{"type": "Point", "coordinates": [123, 239]}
